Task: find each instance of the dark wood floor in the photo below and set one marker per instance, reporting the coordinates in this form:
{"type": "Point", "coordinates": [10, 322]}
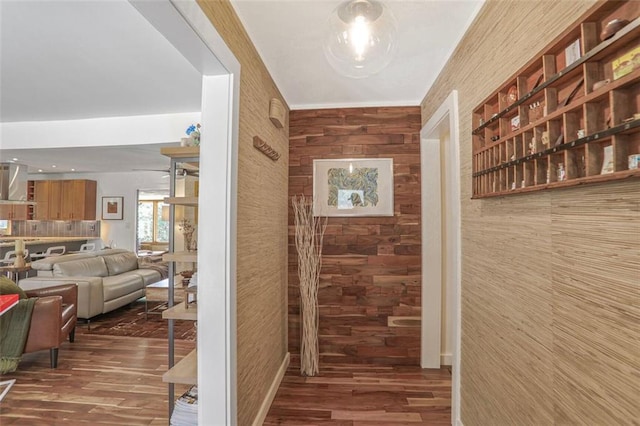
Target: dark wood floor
{"type": "Point", "coordinates": [99, 379]}
{"type": "Point", "coordinates": [360, 395]}
{"type": "Point", "coordinates": [118, 381]}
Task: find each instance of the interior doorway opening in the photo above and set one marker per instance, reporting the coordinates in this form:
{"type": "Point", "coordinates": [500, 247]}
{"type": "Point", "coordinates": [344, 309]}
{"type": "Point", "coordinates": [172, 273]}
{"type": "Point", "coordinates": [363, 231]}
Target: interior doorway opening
{"type": "Point", "coordinates": [440, 165]}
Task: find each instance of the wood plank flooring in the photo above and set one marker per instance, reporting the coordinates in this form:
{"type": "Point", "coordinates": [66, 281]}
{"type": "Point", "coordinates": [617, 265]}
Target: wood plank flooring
{"type": "Point", "coordinates": [363, 395]}
{"type": "Point", "coordinates": [118, 381]}
{"type": "Point", "coordinates": [100, 379]}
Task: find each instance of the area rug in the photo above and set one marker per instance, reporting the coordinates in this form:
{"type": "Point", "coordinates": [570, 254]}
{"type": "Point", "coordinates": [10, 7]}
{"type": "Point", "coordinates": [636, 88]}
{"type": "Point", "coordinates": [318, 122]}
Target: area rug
{"type": "Point", "coordinates": [130, 321]}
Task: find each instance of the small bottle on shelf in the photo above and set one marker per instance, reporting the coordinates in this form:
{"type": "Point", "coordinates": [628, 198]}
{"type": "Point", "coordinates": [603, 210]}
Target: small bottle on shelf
{"type": "Point", "coordinates": [561, 172]}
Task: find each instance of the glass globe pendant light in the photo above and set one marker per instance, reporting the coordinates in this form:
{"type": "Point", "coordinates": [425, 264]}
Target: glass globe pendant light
{"type": "Point", "coordinates": [360, 38]}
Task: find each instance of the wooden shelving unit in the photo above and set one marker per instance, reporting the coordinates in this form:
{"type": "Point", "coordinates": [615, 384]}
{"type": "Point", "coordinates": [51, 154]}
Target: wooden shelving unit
{"type": "Point", "coordinates": [551, 126]}
{"type": "Point", "coordinates": [180, 312]}
{"type": "Point", "coordinates": [180, 256]}
{"type": "Point", "coordinates": [181, 152]}
{"type": "Point", "coordinates": [182, 201]}
{"type": "Point", "coordinates": [185, 371]}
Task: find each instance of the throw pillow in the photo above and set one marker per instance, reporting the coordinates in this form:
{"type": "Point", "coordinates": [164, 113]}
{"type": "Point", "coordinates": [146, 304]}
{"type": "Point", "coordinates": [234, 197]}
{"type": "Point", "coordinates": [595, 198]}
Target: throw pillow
{"type": "Point", "coordinates": [9, 287]}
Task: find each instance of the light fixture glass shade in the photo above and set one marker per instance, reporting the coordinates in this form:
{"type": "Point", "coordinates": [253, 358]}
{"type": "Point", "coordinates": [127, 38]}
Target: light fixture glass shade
{"type": "Point", "coordinates": [361, 38]}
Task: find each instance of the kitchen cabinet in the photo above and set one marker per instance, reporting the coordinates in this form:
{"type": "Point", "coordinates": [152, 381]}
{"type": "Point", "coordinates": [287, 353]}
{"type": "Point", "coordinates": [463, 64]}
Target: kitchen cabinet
{"type": "Point", "coordinates": [13, 211]}
{"type": "Point", "coordinates": [78, 199]}
{"type": "Point", "coordinates": [73, 199]}
{"type": "Point", "coordinates": [41, 197]}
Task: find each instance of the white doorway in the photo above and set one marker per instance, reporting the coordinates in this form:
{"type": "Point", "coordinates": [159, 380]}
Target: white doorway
{"type": "Point", "coordinates": [440, 183]}
{"type": "Point", "coordinates": [187, 27]}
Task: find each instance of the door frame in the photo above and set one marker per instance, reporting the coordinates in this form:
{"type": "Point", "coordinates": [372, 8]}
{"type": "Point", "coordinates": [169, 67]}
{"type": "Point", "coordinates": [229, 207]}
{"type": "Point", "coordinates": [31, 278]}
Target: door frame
{"type": "Point", "coordinates": [185, 25]}
{"type": "Point", "coordinates": [446, 118]}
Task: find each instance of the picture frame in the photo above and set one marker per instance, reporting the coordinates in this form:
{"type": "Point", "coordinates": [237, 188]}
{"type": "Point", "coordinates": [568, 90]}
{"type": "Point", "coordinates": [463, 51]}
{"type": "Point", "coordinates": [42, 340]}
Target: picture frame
{"type": "Point", "coordinates": [112, 208]}
{"type": "Point", "coordinates": [353, 187]}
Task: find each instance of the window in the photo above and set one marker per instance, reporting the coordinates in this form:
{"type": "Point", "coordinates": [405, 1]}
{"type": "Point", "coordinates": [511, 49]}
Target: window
{"type": "Point", "coordinates": [153, 228]}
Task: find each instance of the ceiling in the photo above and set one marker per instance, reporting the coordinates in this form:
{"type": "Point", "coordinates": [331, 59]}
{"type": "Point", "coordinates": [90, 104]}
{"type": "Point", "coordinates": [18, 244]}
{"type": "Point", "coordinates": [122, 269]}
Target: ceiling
{"type": "Point", "coordinates": [288, 35]}
{"type": "Point", "coordinates": [66, 60]}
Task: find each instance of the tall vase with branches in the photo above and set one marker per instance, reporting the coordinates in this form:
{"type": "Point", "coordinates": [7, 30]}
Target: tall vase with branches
{"type": "Point", "coordinates": [309, 236]}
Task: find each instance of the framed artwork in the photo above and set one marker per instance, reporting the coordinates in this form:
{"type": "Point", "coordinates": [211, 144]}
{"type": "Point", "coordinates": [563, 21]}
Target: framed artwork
{"type": "Point", "coordinates": [353, 187]}
{"type": "Point", "coordinates": [112, 208]}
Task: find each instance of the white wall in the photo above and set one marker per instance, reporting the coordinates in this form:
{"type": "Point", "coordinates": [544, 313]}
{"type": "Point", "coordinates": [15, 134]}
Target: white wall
{"type": "Point", "coordinates": [121, 232]}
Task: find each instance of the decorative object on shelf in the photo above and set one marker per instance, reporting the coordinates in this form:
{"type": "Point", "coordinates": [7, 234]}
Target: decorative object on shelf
{"type": "Point", "coordinates": [536, 110]}
{"type": "Point", "coordinates": [187, 228]}
{"type": "Point", "coordinates": [532, 146]}
{"type": "Point", "coordinates": [309, 235]}
{"type": "Point", "coordinates": [277, 113]}
{"type": "Point", "coordinates": [360, 39]}
{"type": "Point", "coordinates": [481, 122]}
{"type": "Point", "coordinates": [612, 27]}
{"type": "Point", "coordinates": [572, 52]}
{"type": "Point", "coordinates": [559, 140]}
{"type": "Point", "coordinates": [573, 92]}
{"type": "Point", "coordinates": [607, 160]}
{"type": "Point", "coordinates": [581, 133]}
{"type": "Point", "coordinates": [193, 133]}
{"type": "Point", "coordinates": [632, 118]}
{"type": "Point", "coordinates": [112, 208]}
{"type": "Point", "coordinates": [265, 148]}
{"type": "Point", "coordinates": [512, 95]}
{"type": "Point", "coordinates": [515, 123]}
{"type": "Point", "coordinates": [545, 139]}
{"type": "Point", "coordinates": [495, 137]}
{"type": "Point", "coordinates": [599, 84]}
{"type": "Point", "coordinates": [561, 174]}
{"type": "Point", "coordinates": [634, 161]}
{"type": "Point", "coordinates": [626, 63]}
{"type": "Point", "coordinates": [353, 187]}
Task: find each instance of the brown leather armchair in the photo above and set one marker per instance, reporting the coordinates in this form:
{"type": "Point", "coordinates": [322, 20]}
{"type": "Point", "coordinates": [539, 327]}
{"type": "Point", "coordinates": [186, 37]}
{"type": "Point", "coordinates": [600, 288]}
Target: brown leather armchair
{"type": "Point", "coordinates": [54, 318]}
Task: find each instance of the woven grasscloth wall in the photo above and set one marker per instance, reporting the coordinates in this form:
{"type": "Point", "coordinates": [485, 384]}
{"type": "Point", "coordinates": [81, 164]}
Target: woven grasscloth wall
{"type": "Point", "coordinates": [370, 278]}
{"type": "Point", "coordinates": [550, 280]}
{"type": "Point", "coordinates": [262, 222]}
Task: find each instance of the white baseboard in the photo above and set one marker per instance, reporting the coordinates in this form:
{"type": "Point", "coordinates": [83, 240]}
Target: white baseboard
{"type": "Point", "coordinates": [271, 394]}
{"type": "Point", "coordinates": [446, 359]}
{"type": "Point", "coordinates": [459, 423]}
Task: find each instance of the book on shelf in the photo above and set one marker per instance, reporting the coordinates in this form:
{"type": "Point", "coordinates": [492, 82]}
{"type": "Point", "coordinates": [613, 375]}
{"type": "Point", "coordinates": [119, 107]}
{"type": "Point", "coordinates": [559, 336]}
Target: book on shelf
{"type": "Point", "coordinates": [8, 301]}
{"type": "Point", "coordinates": [185, 411]}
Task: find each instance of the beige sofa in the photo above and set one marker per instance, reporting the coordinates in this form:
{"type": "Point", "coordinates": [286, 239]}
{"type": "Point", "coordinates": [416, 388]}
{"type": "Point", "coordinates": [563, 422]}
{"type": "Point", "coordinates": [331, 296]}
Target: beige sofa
{"type": "Point", "coordinates": [107, 279]}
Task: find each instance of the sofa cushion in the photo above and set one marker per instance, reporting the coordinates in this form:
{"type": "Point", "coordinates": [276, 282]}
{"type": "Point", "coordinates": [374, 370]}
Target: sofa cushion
{"type": "Point", "coordinates": [91, 267]}
{"type": "Point", "coordinates": [120, 285]}
{"type": "Point", "coordinates": [121, 262]}
{"type": "Point", "coordinates": [47, 263]}
{"type": "Point", "coordinates": [149, 276]}
{"type": "Point", "coordinates": [109, 251]}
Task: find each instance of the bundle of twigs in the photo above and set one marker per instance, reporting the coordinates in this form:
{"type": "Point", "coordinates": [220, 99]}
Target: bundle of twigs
{"type": "Point", "coordinates": [309, 235]}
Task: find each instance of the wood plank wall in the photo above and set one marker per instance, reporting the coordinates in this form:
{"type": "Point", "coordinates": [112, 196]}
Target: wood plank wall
{"type": "Point", "coordinates": [262, 238]}
{"type": "Point", "coordinates": [371, 266]}
{"type": "Point", "coordinates": [550, 280]}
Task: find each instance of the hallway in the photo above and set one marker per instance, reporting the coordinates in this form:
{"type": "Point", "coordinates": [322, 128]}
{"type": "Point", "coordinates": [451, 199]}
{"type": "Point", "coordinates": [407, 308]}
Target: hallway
{"type": "Point", "coordinates": [363, 395]}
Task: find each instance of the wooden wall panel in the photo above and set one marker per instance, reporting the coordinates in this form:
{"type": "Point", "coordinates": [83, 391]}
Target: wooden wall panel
{"type": "Point", "coordinates": [550, 281]}
{"type": "Point", "coordinates": [371, 265]}
{"type": "Point", "coordinates": [262, 237]}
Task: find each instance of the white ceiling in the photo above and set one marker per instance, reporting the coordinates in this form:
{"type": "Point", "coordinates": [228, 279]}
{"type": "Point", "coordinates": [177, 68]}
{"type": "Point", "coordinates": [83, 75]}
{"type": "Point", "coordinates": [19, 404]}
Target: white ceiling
{"type": "Point", "coordinates": [65, 60]}
{"type": "Point", "coordinates": [288, 36]}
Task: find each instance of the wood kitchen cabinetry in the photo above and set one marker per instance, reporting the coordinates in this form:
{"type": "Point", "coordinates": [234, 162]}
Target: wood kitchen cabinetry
{"type": "Point", "coordinates": [13, 211]}
{"type": "Point", "coordinates": [73, 199]}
